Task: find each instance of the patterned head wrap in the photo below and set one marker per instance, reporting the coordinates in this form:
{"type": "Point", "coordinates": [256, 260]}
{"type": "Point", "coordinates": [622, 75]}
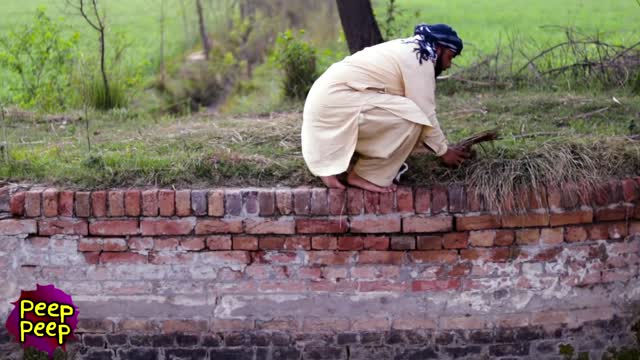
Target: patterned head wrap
{"type": "Point", "coordinates": [427, 36]}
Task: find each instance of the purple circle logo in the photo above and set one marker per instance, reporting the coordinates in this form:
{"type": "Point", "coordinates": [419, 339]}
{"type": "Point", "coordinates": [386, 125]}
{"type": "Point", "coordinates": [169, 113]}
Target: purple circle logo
{"type": "Point", "coordinates": [44, 318]}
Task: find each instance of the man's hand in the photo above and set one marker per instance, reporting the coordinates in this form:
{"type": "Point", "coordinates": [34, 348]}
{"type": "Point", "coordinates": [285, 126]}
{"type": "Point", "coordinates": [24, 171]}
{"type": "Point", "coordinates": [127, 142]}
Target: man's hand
{"type": "Point", "coordinates": [455, 156]}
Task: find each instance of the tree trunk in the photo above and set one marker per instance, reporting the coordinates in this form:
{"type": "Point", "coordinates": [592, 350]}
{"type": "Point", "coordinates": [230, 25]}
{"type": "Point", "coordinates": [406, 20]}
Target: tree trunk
{"type": "Point", "coordinates": [102, 68]}
{"type": "Point", "coordinates": [206, 45]}
{"type": "Point", "coordinates": [359, 24]}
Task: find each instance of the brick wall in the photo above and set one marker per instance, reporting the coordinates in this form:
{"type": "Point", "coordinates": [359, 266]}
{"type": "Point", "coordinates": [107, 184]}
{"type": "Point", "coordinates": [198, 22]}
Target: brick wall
{"type": "Point", "coordinates": [308, 273]}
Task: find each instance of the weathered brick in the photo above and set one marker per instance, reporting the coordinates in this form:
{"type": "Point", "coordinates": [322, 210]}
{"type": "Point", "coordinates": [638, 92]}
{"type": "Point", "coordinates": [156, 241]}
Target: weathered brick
{"type": "Point", "coordinates": [319, 201]}
{"type": "Point", "coordinates": [184, 326]}
{"type": "Point", "coordinates": [16, 204]}
{"type": "Point", "coordinates": [270, 226]}
{"type": "Point", "coordinates": [530, 219]}
{"type": "Point", "coordinates": [245, 243]}
{"type": "Point", "coordinates": [618, 230]}
{"type": "Point", "coordinates": [219, 242]}
{"type": "Point", "coordinates": [387, 203]}
{"type": "Point", "coordinates": [455, 240]}
{"type": "Point", "coordinates": [376, 225]}
{"type": "Point", "coordinates": [552, 236]}
{"type": "Point", "coordinates": [504, 237]}
{"type": "Point", "coordinates": [18, 227]}
{"type": "Point", "coordinates": [225, 257]}
{"type": "Point", "coordinates": [615, 191]}
{"type": "Point", "coordinates": [355, 201]}
{"type": "Point", "coordinates": [613, 214]}
{"type": "Point", "coordinates": [302, 201]}
{"type": "Point", "coordinates": [423, 201]}
{"type": "Point", "coordinates": [32, 203]}
{"type": "Point", "coordinates": [463, 322]}
{"type": "Point", "coordinates": [167, 202]}
{"type": "Point", "coordinates": [376, 243]}
{"type": "Point", "coordinates": [575, 233]}
{"type": "Point", "coordinates": [114, 244]}
{"type": "Point", "coordinates": [284, 201]}
{"type": "Point", "coordinates": [527, 236]}
{"type": "Point", "coordinates": [477, 222]}
{"type": "Point", "coordinates": [67, 227]}
{"type": "Point", "coordinates": [150, 203]}
{"type": "Point", "coordinates": [168, 227]}
{"type": "Point", "coordinates": [457, 198]}
{"type": "Point", "coordinates": [183, 202]}
{"type": "Point", "coordinates": [297, 243]}
{"type": "Point", "coordinates": [435, 285]}
{"type": "Point", "coordinates": [218, 226]}
{"type": "Point", "coordinates": [216, 203]}
{"type": "Point", "coordinates": [325, 324]}
{"type": "Point", "coordinates": [492, 255]}
{"type": "Point", "coordinates": [324, 243]}
{"type": "Point", "coordinates": [122, 258]}
{"type": "Point", "coordinates": [320, 226]}
{"type": "Point", "coordinates": [421, 224]}
{"type": "Point", "coordinates": [115, 200]}
{"type": "Point", "coordinates": [99, 203]}
{"type": "Point", "coordinates": [434, 256]}
{"type": "Point", "coordinates": [403, 243]}
{"type": "Point", "coordinates": [371, 202]}
{"type": "Point", "coordinates": [330, 257]}
{"type": "Point", "coordinates": [50, 203]}
{"type": "Point", "coordinates": [233, 202]}
{"type": "Point", "coordinates": [483, 238]}
{"type": "Point", "coordinates": [5, 198]}
{"type": "Point", "coordinates": [630, 190]}
{"type": "Point", "coordinates": [83, 204]}
{"type": "Point", "coordinates": [132, 203]}
{"type": "Point", "coordinates": [351, 243]}
{"type": "Point", "coordinates": [439, 200]}
{"type": "Point", "coordinates": [271, 243]}
{"type": "Point", "coordinates": [337, 202]}
{"type": "Point", "coordinates": [192, 243]}
{"type": "Point", "coordinates": [267, 202]}
{"type": "Point", "coordinates": [381, 257]}
{"type": "Point", "coordinates": [250, 202]}
{"type": "Point", "coordinates": [413, 323]}
{"type": "Point", "coordinates": [474, 201]}
{"type": "Point", "coordinates": [549, 318]}
{"type": "Point", "coordinates": [554, 197]}
{"type": "Point", "coordinates": [429, 242]}
{"type": "Point", "coordinates": [65, 203]}
{"type": "Point", "coordinates": [404, 199]}
{"type": "Point", "coordinates": [141, 243]}
{"type": "Point", "coordinates": [382, 285]}
{"type": "Point", "coordinates": [572, 217]}
{"type": "Point", "coordinates": [114, 227]}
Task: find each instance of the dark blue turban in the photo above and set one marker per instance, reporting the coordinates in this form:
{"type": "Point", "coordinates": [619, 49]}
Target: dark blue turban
{"type": "Point", "coordinates": [427, 36]}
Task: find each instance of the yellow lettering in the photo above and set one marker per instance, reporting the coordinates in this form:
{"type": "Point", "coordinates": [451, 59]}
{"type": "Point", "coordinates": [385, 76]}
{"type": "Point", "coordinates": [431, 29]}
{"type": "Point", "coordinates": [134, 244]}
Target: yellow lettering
{"type": "Point", "coordinates": [63, 330]}
{"type": "Point", "coordinates": [39, 307]}
{"type": "Point", "coordinates": [65, 310]}
{"type": "Point", "coordinates": [23, 307]}
{"type": "Point", "coordinates": [39, 327]}
{"type": "Point", "coordinates": [24, 330]}
{"type": "Point", "coordinates": [50, 330]}
{"type": "Point", "coordinates": [53, 307]}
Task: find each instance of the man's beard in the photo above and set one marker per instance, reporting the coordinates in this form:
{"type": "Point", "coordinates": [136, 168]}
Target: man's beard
{"type": "Point", "coordinates": [438, 67]}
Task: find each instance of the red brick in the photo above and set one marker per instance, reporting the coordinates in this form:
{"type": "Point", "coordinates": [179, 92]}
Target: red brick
{"type": "Point", "coordinates": [99, 203]}
{"type": "Point", "coordinates": [463, 322]}
{"type": "Point", "coordinates": [630, 190]}
{"type": "Point", "coordinates": [150, 203]}
{"type": "Point", "coordinates": [457, 198]}
{"type": "Point", "coordinates": [575, 233]}
{"type": "Point", "coordinates": [504, 237]}
{"type": "Point", "coordinates": [184, 326]}
{"type": "Point", "coordinates": [549, 317]}
{"type": "Point", "coordinates": [493, 255]}
{"type": "Point", "coordinates": [337, 201]}
{"type": "Point", "coordinates": [302, 201]}
{"type": "Point", "coordinates": [615, 191]}
{"type": "Point", "coordinates": [370, 324]}
{"type": "Point", "coordinates": [474, 201]}
{"type": "Point", "coordinates": [116, 203]}
{"type": "Point", "coordinates": [50, 203]}
{"type": "Point", "coordinates": [552, 236]}
{"type": "Point", "coordinates": [403, 243]}
{"type": "Point", "coordinates": [618, 230]}
{"type": "Point", "coordinates": [232, 324]}
{"type": "Point", "coordinates": [435, 285]}
{"type": "Point", "coordinates": [484, 238]}
{"type": "Point", "coordinates": [122, 258]}
{"type": "Point", "coordinates": [65, 203]}
{"type": "Point", "coordinates": [166, 202]}
{"type": "Point", "coordinates": [319, 201]}
{"type": "Point", "coordinates": [250, 202]}
{"type": "Point", "coordinates": [414, 323]}
{"type": "Point", "coordinates": [355, 201]}
{"type": "Point", "coordinates": [418, 224]}
{"type": "Point", "coordinates": [404, 199]}
{"type": "Point", "coordinates": [547, 255]}
{"type": "Point", "coordinates": [270, 226]}
{"type": "Point", "coordinates": [351, 243]}
{"type": "Point", "coordinates": [215, 204]}
{"type": "Point", "coordinates": [16, 204]}
{"type": "Point", "coordinates": [297, 243]}
{"type": "Point", "coordinates": [387, 204]}
{"type": "Point", "coordinates": [245, 243]}
{"type": "Point", "coordinates": [18, 227]}
{"type": "Point", "coordinates": [571, 218]}
{"type": "Point", "coordinates": [330, 257]}
{"type": "Point", "coordinates": [114, 227]}
{"type": "Point", "coordinates": [434, 256]}
{"type": "Point", "coordinates": [598, 231]}
{"type": "Point", "coordinates": [325, 324]}
{"type": "Point", "coordinates": [170, 244]}
{"type": "Point", "coordinates": [199, 202]}
{"type": "Point", "coordinates": [371, 202]}
{"type": "Point", "coordinates": [284, 201]}
{"type": "Point", "coordinates": [324, 243]}
{"type": "Point", "coordinates": [375, 225]}
{"type": "Point", "coordinates": [527, 236]}
{"type": "Point", "coordinates": [224, 257]}
{"type": "Point", "coordinates": [271, 243]}
{"type": "Point", "coordinates": [183, 202]}
{"type": "Point", "coordinates": [525, 220]}
{"type": "Point", "coordinates": [83, 204]}
{"type": "Point", "coordinates": [538, 198]}
{"type": "Point", "coordinates": [376, 243]}
{"type": "Point", "coordinates": [462, 269]}
{"type": "Point", "coordinates": [219, 242]}
{"type": "Point", "coordinates": [477, 222]}
{"type": "Point", "coordinates": [456, 240]}
{"type": "Point", "coordinates": [381, 285]}
{"type": "Point", "coordinates": [192, 243]}
{"type": "Point", "coordinates": [423, 201]}
{"type": "Point", "coordinates": [168, 227]}
{"type": "Point", "coordinates": [140, 243]}
{"type": "Point", "coordinates": [429, 242]}
{"type": "Point", "coordinates": [233, 202]}
{"type": "Point", "coordinates": [91, 258]}
{"type": "Point", "coordinates": [613, 214]}
{"type": "Point", "coordinates": [32, 203]}
{"type": "Point", "coordinates": [267, 202]}
{"type": "Point", "coordinates": [439, 200]}
{"type": "Point", "coordinates": [67, 227]}
{"type": "Point", "coordinates": [381, 257]}
{"type": "Point", "coordinates": [554, 197]}
{"type": "Point", "coordinates": [114, 244]}
{"type": "Point", "coordinates": [218, 226]}
{"type": "Point", "coordinates": [132, 199]}
{"type": "Point", "coordinates": [320, 226]}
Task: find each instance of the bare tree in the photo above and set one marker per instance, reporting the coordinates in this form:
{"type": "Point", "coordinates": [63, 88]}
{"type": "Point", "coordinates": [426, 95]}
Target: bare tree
{"type": "Point", "coordinates": [206, 45]}
{"type": "Point", "coordinates": [359, 24]}
{"type": "Point", "coordinates": [97, 21]}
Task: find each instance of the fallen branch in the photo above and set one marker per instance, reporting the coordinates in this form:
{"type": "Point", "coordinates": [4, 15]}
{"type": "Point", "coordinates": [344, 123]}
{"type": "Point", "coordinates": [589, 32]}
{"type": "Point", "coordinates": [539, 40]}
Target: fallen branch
{"type": "Point", "coordinates": [584, 115]}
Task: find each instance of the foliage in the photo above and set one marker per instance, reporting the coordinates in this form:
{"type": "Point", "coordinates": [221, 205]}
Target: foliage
{"type": "Point", "coordinates": [396, 21]}
{"type": "Point", "coordinates": [41, 55]}
{"type": "Point", "coordinates": [297, 59]}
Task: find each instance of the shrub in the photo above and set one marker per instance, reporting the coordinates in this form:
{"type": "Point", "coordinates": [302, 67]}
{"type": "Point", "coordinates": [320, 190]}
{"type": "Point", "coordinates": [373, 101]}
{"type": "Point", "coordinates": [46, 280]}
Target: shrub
{"type": "Point", "coordinates": [298, 61]}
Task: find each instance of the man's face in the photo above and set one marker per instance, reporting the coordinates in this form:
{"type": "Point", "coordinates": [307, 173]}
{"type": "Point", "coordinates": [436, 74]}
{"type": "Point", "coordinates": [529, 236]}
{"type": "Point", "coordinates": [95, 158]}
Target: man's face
{"type": "Point", "coordinates": [445, 57]}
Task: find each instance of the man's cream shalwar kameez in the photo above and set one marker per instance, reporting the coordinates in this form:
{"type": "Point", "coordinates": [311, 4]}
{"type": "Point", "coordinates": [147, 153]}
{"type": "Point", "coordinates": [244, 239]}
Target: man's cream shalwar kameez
{"type": "Point", "coordinates": [378, 103]}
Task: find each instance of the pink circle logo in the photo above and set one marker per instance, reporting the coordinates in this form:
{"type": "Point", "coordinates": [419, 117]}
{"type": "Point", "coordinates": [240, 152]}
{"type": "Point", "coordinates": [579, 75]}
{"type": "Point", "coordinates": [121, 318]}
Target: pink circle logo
{"type": "Point", "coordinates": [44, 318]}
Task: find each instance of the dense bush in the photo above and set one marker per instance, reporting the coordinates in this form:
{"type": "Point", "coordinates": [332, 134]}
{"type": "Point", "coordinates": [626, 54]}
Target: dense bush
{"type": "Point", "coordinates": [298, 61]}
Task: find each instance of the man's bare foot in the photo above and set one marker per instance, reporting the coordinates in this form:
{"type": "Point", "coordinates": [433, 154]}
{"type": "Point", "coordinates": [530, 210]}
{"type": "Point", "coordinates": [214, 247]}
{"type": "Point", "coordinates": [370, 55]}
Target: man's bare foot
{"type": "Point", "coordinates": [332, 182]}
{"type": "Point", "coordinates": [356, 180]}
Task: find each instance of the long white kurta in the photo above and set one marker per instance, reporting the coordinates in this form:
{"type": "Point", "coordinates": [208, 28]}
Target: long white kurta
{"type": "Point", "coordinates": [382, 90]}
